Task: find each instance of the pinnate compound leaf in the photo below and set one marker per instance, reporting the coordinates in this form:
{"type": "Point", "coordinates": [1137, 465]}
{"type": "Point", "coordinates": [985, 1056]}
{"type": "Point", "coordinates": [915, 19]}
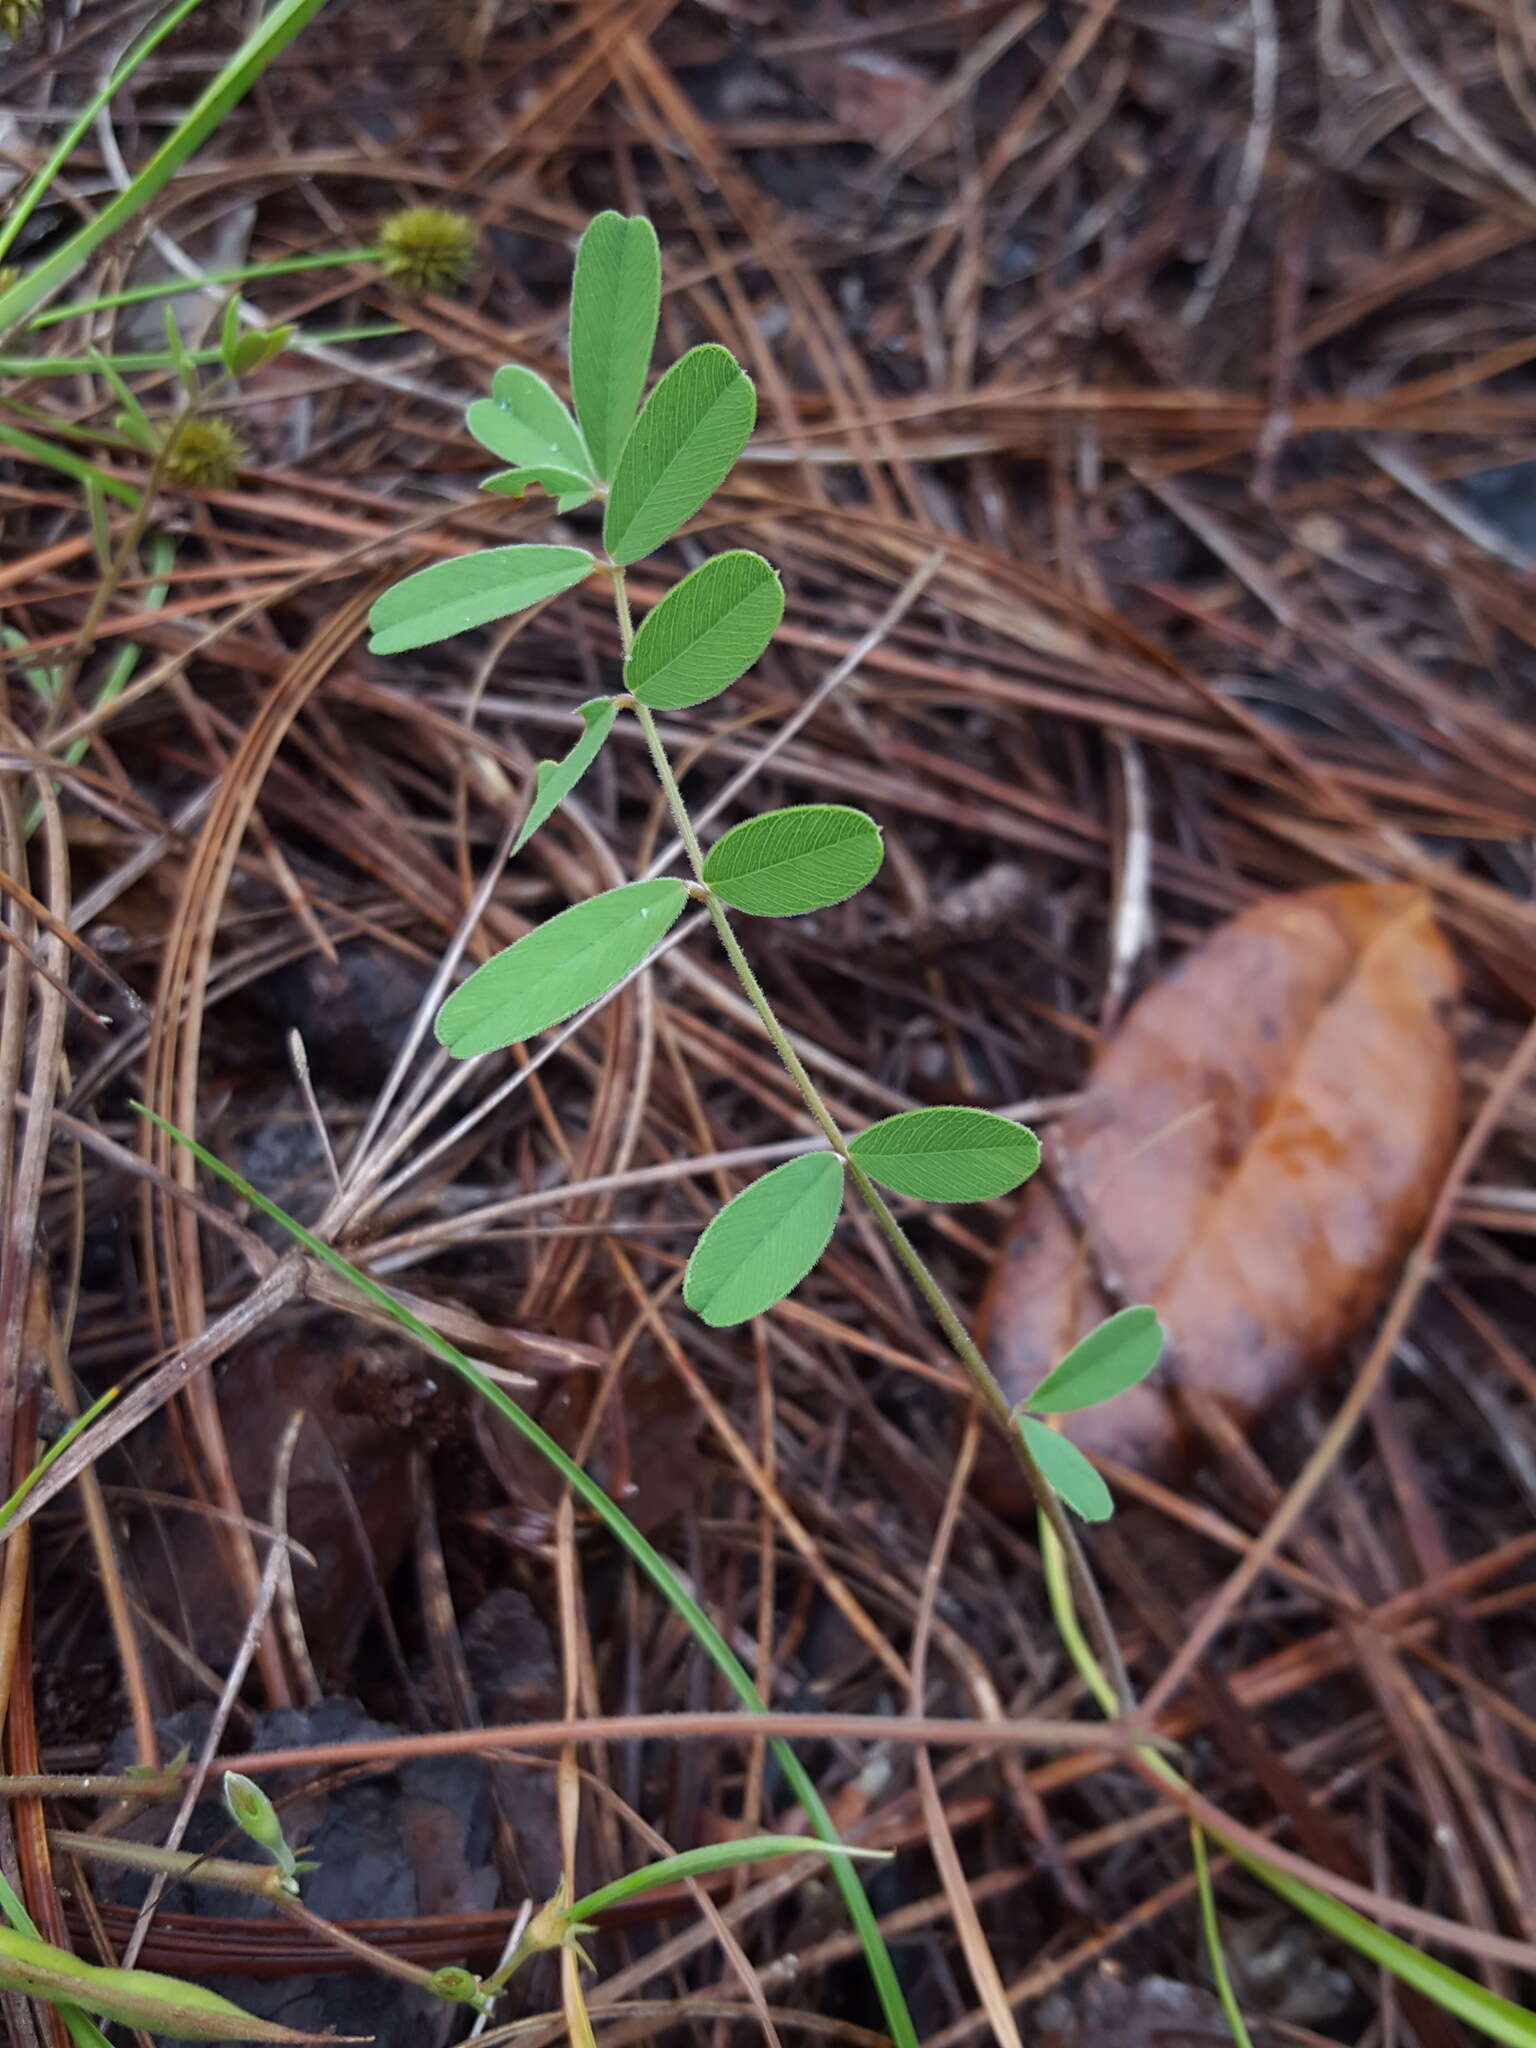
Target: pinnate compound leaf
{"type": "Point", "coordinates": [765, 1241]}
{"type": "Point", "coordinates": [554, 780]}
{"type": "Point", "coordinates": [947, 1154]}
{"type": "Point", "coordinates": [791, 861]}
{"type": "Point", "coordinates": [524, 423]}
{"type": "Point", "coordinates": [472, 590]}
{"type": "Point", "coordinates": [569, 491]}
{"type": "Point", "coordinates": [558, 969]}
{"type": "Point", "coordinates": [1068, 1471]}
{"type": "Point", "coordinates": [1118, 1354]}
{"type": "Point", "coordinates": [694, 426]}
{"type": "Point", "coordinates": [1256, 1147]}
{"type": "Point", "coordinates": [706, 632]}
{"type": "Point", "coordinates": [615, 304]}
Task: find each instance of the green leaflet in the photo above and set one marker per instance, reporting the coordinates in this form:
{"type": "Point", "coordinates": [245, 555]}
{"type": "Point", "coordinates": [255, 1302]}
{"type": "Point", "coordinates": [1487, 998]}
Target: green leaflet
{"type": "Point", "coordinates": [706, 632]}
{"type": "Point", "coordinates": [559, 968]}
{"type": "Point", "coordinates": [472, 590]}
{"type": "Point", "coordinates": [1121, 1351]}
{"type": "Point", "coordinates": [764, 1242]}
{"type": "Point", "coordinates": [615, 304]}
{"type": "Point", "coordinates": [947, 1154]}
{"type": "Point", "coordinates": [694, 426]}
{"type": "Point", "coordinates": [242, 353]}
{"type": "Point", "coordinates": [1067, 1470]}
{"type": "Point", "coordinates": [524, 423]}
{"type": "Point", "coordinates": [569, 491]}
{"type": "Point", "coordinates": [554, 780]}
{"type": "Point", "coordinates": [788, 862]}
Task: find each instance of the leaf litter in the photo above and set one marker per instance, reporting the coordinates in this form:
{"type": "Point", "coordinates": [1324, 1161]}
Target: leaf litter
{"type": "Point", "coordinates": [1254, 1150]}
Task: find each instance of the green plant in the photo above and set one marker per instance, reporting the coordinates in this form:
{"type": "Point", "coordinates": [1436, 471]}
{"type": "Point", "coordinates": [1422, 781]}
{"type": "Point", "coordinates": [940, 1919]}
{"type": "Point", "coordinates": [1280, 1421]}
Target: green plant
{"type": "Point", "coordinates": [652, 466]}
{"type": "Point", "coordinates": [1499, 2018]}
{"type": "Point", "coordinates": [653, 469]}
{"type": "Point", "coordinates": [640, 1549]}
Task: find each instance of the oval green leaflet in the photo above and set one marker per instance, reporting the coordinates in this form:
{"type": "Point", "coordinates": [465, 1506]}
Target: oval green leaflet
{"type": "Point", "coordinates": [554, 780]}
{"type": "Point", "coordinates": [472, 590]}
{"type": "Point", "coordinates": [706, 632]}
{"type": "Point", "coordinates": [694, 426]}
{"type": "Point", "coordinates": [764, 1242]}
{"type": "Point", "coordinates": [559, 968]}
{"type": "Point", "coordinates": [524, 423]}
{"type": "Point", "coordinates": [139, 1998]}
{"type": "Point", "coordinates": [615, 304]}
{"type": "Point", "coordinates": [1121, 1351]}
{"type": "Point", "coordinates": [1067, 1470]}
{"type": "Point", "coordinates": [569, 491]}
{"type": "Point", "coordinates": [947, 1154]}
{"type": "Point", "coordinates": [791, 861]}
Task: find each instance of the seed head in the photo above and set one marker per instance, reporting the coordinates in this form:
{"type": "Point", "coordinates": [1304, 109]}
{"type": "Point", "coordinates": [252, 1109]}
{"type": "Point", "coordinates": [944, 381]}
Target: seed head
{"type": "Point", "coordinates": [426, 248]}
{"type": "Point", "coordinates": [204, 454]}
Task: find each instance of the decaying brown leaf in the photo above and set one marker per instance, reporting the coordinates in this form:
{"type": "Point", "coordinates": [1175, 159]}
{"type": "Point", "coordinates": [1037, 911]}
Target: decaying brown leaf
{"type": "Point", "coordinates": [1256, 1148]}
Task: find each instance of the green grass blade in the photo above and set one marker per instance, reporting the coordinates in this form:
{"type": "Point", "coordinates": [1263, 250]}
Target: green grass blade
{"type": "Point", "coordinates": [48, 456]}
{"type": "Point", "coordinates": [1449, 1989]}
{"type": "Point", "coordinates": [624, 1532]}
{"type": "Point", "coordinates": [17, 215]}
{"type": "Point", "coordinates": [1210, 1922]}
{"type": "Point", "coordinates": [51, 1456]}
{"type": "Point", "coordinates": [700, 1862]}
{"type": "Point", "coordinates": [268, 39]}
{"type": "Point", "coordinates": [161, 359]}
{"type": "Point", "coordinates": [161, 554]}
{"type": "Point", "coordinates": [176, 287]}
{"type": "Point", "coordinates": [1496, 2017]}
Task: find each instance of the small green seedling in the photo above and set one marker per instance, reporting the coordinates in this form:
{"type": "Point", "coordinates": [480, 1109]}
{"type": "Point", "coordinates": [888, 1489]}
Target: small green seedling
{"type": "Point", "coordinates": [651, 466]}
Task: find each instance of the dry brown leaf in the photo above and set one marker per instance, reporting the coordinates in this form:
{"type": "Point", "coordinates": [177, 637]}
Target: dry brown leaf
{"type": "Point", "coordinates": [1257, 1146]}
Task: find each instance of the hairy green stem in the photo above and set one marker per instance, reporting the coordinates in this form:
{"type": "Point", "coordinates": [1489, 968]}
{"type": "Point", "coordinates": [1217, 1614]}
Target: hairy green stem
{"type": "Point", "coordinates": [956, 1334]}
